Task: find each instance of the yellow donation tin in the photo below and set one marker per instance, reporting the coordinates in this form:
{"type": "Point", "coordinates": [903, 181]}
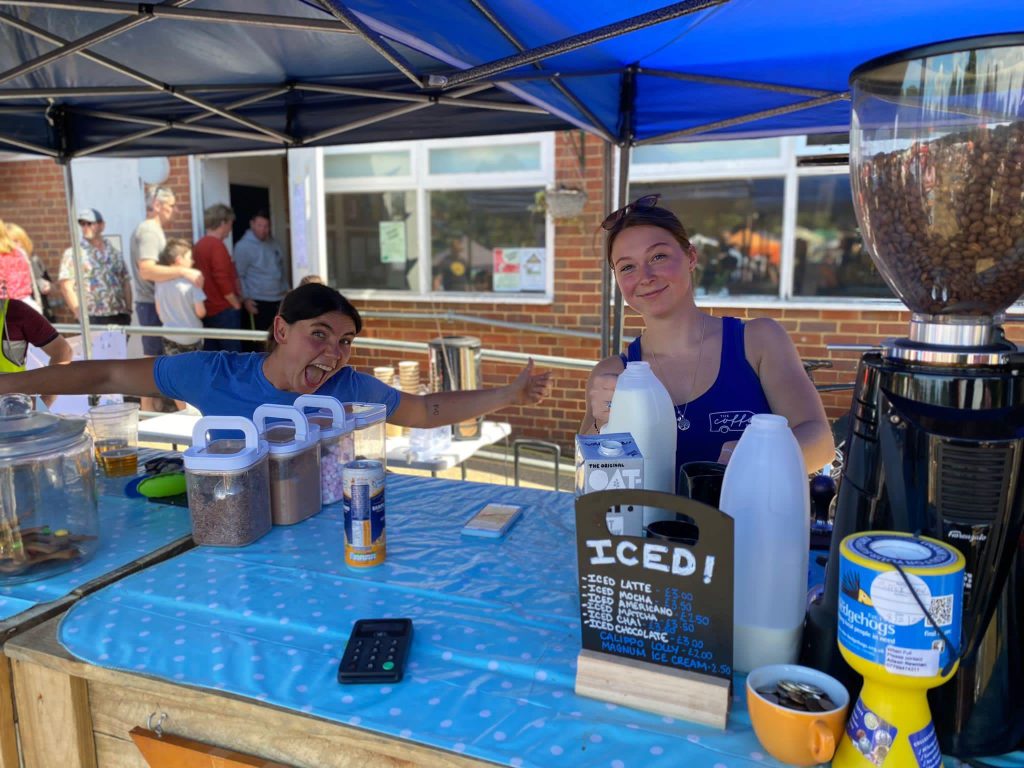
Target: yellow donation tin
{"type": "Point", "coordinates": [900, 607]}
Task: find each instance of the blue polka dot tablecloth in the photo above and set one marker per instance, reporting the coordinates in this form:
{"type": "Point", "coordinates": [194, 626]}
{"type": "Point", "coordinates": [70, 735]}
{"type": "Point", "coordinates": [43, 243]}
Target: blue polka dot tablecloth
{"type": "Point", "coordinates": [492, 665]}
{"type": "Point", "coordinates": [129, 529]}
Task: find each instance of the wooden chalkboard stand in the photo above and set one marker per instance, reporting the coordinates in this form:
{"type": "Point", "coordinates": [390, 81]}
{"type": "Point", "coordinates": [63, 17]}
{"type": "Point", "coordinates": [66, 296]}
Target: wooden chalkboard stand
{"type": "Point", "coordinates": [665, 691]}
{"type": "Point", "coordinates": [656, 615]}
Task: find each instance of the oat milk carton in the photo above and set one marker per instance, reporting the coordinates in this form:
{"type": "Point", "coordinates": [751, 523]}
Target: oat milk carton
{"type": "Point", "coordinates": [609, 462]}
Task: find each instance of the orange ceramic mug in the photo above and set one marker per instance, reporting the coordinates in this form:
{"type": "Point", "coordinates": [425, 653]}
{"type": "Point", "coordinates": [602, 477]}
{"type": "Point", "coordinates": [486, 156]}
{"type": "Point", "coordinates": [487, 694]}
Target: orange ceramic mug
{"type": "Point", "coordinates": [793, 736]}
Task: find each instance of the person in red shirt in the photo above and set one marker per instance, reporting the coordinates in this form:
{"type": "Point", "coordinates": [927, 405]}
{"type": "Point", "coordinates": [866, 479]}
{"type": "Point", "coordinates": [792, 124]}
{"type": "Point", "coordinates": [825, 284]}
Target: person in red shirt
{"type": "Point", "coordinates": [20, 325]}
{"type": "Point", "coordinates": [211, 257]}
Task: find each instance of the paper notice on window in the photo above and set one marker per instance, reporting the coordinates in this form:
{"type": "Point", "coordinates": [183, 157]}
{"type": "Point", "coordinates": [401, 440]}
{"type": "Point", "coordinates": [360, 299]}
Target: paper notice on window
{"type": "Point", "coordinates": [519, 269]}
{"type": "Point", "coordinates": [392, 242]}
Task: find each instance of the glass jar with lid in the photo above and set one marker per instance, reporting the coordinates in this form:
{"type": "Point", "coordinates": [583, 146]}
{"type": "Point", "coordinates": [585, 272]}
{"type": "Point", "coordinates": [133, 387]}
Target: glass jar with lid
{"type": "Point", "coordinates": [336, 443]}
{"type": "Point", "coordinates": [48, 518]}
{"type": "Point", "coordinates": [294, 446]}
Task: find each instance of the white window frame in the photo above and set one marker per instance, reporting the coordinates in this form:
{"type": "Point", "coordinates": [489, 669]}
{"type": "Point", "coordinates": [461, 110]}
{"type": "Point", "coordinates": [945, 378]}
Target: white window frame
{"type": "Point", "coordinates": [421, 182]}
{"type": "Point", "coordinates": [785, 166]}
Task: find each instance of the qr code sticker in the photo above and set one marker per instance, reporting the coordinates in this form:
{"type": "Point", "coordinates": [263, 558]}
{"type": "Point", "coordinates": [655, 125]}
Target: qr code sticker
{"type": "Point", "coordinates": [942, 610]}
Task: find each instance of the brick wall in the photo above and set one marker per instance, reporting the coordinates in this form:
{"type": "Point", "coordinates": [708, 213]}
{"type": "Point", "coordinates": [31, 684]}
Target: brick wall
{"type": "Point", "coordinates": [32, 195]}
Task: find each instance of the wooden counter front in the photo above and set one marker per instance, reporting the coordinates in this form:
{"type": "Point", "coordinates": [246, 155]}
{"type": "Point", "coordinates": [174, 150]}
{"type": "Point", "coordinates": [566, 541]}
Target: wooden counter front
{"type": "Point", "coordinates": [76, 715]}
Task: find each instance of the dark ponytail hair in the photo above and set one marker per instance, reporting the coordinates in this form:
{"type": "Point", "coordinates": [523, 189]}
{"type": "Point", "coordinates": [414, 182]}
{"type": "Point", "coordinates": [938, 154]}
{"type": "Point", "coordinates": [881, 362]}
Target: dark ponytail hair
{"type": "Point", "coordinates": [309, 301]}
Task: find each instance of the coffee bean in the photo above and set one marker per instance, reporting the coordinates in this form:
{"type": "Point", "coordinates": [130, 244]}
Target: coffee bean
{"type": "Point", "coordinates": [944, 219]}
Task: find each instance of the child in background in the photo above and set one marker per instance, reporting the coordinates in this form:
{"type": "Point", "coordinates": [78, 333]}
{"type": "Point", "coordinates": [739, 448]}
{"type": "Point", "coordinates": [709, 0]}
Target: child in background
{"type": "Point", "coordinates": [179, 303]}
{"type": "Point", "coordinates": [311, 279]}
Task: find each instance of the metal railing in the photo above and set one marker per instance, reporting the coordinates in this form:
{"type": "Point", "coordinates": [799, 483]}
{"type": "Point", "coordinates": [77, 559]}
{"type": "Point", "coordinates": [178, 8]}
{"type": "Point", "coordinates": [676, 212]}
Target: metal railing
{"type": "Point", "coordinates": [369, 342]}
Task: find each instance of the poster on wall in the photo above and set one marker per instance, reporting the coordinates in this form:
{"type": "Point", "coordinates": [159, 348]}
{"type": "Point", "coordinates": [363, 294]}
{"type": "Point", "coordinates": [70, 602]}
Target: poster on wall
{"type": "Point", "coordinates": [392, 242]}
{"type": "Point", "coordinates": [519, 269]}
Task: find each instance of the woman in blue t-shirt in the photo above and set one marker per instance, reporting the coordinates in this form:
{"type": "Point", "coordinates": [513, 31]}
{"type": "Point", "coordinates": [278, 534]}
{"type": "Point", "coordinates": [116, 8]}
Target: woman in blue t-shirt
{"type": "Point", "coordinates": [719, 371]}
{"type": "Point", "coordinates": [309, 345]}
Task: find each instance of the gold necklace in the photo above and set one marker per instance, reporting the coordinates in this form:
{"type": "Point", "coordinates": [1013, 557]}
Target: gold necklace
{"type": "Point", "coordinates": [682, 423]}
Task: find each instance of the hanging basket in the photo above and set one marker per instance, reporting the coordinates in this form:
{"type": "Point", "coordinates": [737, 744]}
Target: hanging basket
{"type": "Point", "coordinates": [565, 203]}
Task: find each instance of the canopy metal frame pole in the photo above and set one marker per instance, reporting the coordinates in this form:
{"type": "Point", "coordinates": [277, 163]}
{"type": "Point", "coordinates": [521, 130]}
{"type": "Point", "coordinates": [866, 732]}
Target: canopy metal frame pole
{"type": "Point", "coordinates": [29, 146]}
{"type": "Point", "coordinates": [733, 82]}
{"type": "Point", "coordinates": [608, 202]}
{"type": "Point", "coordinates": [68, 47]}
{"type": "Point", "coordinates": [422, 98]}
{"type": "Point", "coordinates": [375, 41]}
{"type": "Point", "coordinates": [172, 13]}
{"type": "Point", "coordinates": [622, 192]}
{"type": "Point", "coordinates": [76, 246]}
{"type": "Point", "coordinates": [498, 24]}
{"type": "Point", "coordinates": [136, 75]}
{"type": "Point", "coordinates": [8, 94]}
{"type": "Point", "coordinates": [168, 124]}
{"type": "Point", "coordinates": [752, 117]}
{"type": "Point", "coordinates": [390, 114]}
{"type": "Point", "coordinates": [627, 134]}
{"type": "Point", "coordinates": [572, 43]}
{"type": "Point", "coordinates": [188, 120]}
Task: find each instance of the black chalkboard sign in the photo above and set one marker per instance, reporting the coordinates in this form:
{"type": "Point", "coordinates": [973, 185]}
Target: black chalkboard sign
{"type": "Point", "coordinates": [654, 600]}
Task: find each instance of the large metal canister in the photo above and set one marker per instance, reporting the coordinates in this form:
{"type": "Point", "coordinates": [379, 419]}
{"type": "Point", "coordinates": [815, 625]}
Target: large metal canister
{"type": "Point", "coordinates": [455, 365]}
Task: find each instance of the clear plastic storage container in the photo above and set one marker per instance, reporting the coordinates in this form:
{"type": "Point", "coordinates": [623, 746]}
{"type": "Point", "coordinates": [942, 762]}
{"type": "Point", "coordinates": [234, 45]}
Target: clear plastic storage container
{"type": "Point", "coordinates": [368, 421]}
{"type": "Point", "coordinates": [336, 442]}
{"type": "Point", "coordinates": [294, 446]}
{"type": "Point", "coordinates": [48, 520]}
{"type": "Point", "coordinates": [228, 483]}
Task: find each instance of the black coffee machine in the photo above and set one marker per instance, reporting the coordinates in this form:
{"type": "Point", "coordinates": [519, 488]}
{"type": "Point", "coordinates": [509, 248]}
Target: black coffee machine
{"type": "Point", "coordinates": [936, 434]}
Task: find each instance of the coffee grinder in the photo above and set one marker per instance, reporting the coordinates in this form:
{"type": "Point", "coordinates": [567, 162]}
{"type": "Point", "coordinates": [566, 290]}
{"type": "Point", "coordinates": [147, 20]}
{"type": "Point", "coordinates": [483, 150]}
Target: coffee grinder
{"type": "Point", "coordinates": [936, 434]}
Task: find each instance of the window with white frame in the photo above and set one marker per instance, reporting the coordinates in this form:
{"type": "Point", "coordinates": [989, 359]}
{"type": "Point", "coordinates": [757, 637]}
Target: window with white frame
{"type": "Point", "coordinates": [453, 217]}
{"type": "Point", "coordinates": [769, 217]}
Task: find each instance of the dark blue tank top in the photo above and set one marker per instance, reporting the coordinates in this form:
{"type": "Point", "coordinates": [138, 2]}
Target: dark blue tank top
{"type": "Point", "coordinates": [723, 412]}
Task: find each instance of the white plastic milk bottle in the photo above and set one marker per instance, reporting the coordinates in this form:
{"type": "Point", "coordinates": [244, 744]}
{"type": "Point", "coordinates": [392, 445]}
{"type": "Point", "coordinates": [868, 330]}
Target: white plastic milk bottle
{"type": "Point", "coordinates": [766, 492]}
{"type": "Point", "coordinates": [643, 407]}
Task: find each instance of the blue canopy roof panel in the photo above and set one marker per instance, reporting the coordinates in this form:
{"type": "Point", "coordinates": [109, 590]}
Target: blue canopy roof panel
{"type": "Point", "coordinates": [795, 44]}
{"type": "Point", "coordinates": [116, 77]}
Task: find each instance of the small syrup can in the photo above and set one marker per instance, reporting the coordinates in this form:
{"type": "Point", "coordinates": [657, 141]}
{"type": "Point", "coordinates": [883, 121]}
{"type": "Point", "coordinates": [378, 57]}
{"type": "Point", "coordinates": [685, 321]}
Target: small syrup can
{"type": "Point", "coordinates": [363, 494]}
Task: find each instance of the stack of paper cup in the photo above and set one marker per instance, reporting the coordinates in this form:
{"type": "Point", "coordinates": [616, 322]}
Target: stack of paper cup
{"type": "Point", "coordinates": [386, 374]}
{"type": "Point", "coordinates": [409, 380]}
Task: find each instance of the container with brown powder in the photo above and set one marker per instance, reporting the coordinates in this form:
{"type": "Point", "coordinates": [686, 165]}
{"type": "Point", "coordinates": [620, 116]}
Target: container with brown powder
{"type": "Point", "coordinates": [228, 483]}
{"type": "Point", "coordinates": [294, 446]}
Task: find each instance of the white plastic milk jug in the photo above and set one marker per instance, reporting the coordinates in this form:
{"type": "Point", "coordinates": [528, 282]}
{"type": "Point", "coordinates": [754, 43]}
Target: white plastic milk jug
{"type": "Point", "coordinates": [766, 492]}
{"type": "Point", "coordinates": [643, 407]}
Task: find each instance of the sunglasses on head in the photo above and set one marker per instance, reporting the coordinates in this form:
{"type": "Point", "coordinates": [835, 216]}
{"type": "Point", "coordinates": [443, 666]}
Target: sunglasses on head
{"type": "Point", "coordinates": [640, 204]}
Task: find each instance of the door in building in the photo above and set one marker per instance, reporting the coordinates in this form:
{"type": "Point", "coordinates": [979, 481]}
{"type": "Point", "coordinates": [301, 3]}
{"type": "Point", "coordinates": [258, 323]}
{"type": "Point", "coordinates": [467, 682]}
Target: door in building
{"type": "Point", "coordinates": [246, 201]}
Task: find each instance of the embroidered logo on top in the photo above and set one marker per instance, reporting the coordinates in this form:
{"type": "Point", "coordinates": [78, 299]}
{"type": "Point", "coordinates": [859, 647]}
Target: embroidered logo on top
{"type": "Point", "coordinates": [730, 421]}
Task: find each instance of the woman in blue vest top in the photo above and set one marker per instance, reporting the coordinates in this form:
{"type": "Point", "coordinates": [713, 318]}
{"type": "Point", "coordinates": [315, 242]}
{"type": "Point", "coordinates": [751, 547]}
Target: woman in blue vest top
{"type": "Point", "coordinates": [719, 371]}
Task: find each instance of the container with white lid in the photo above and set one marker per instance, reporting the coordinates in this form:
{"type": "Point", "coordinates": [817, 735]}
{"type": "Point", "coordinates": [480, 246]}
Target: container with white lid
{"type": "Point", "coordinates": [294, 462]}
{"type": "Point", "coordinates": [336, 442]}
{"type": "Point", "coordinates": [369, 430]}
{"type": "Point", "coordinates": [228, 482]}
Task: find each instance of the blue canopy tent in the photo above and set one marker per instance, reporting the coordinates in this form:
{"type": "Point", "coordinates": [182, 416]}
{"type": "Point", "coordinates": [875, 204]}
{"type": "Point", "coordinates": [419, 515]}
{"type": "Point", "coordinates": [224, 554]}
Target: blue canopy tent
{"type": "Point", "coordinates": [122, 78]}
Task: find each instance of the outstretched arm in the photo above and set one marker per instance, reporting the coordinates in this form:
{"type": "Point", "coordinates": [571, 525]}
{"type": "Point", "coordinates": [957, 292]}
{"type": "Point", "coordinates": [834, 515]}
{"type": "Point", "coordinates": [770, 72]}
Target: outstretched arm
{"type": "Point", "coordinates": [439, 408]}
{"type": "Point", "coordinates": [87, 377]}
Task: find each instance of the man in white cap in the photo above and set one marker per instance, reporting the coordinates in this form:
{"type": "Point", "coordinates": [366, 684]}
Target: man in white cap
{"type": "Point", "coordinates": [108, 291]}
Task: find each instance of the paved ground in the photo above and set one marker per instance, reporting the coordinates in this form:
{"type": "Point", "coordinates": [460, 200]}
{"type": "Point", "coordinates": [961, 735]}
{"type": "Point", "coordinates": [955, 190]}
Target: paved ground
{"type": "Point", "coordinates": [501, 472]}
